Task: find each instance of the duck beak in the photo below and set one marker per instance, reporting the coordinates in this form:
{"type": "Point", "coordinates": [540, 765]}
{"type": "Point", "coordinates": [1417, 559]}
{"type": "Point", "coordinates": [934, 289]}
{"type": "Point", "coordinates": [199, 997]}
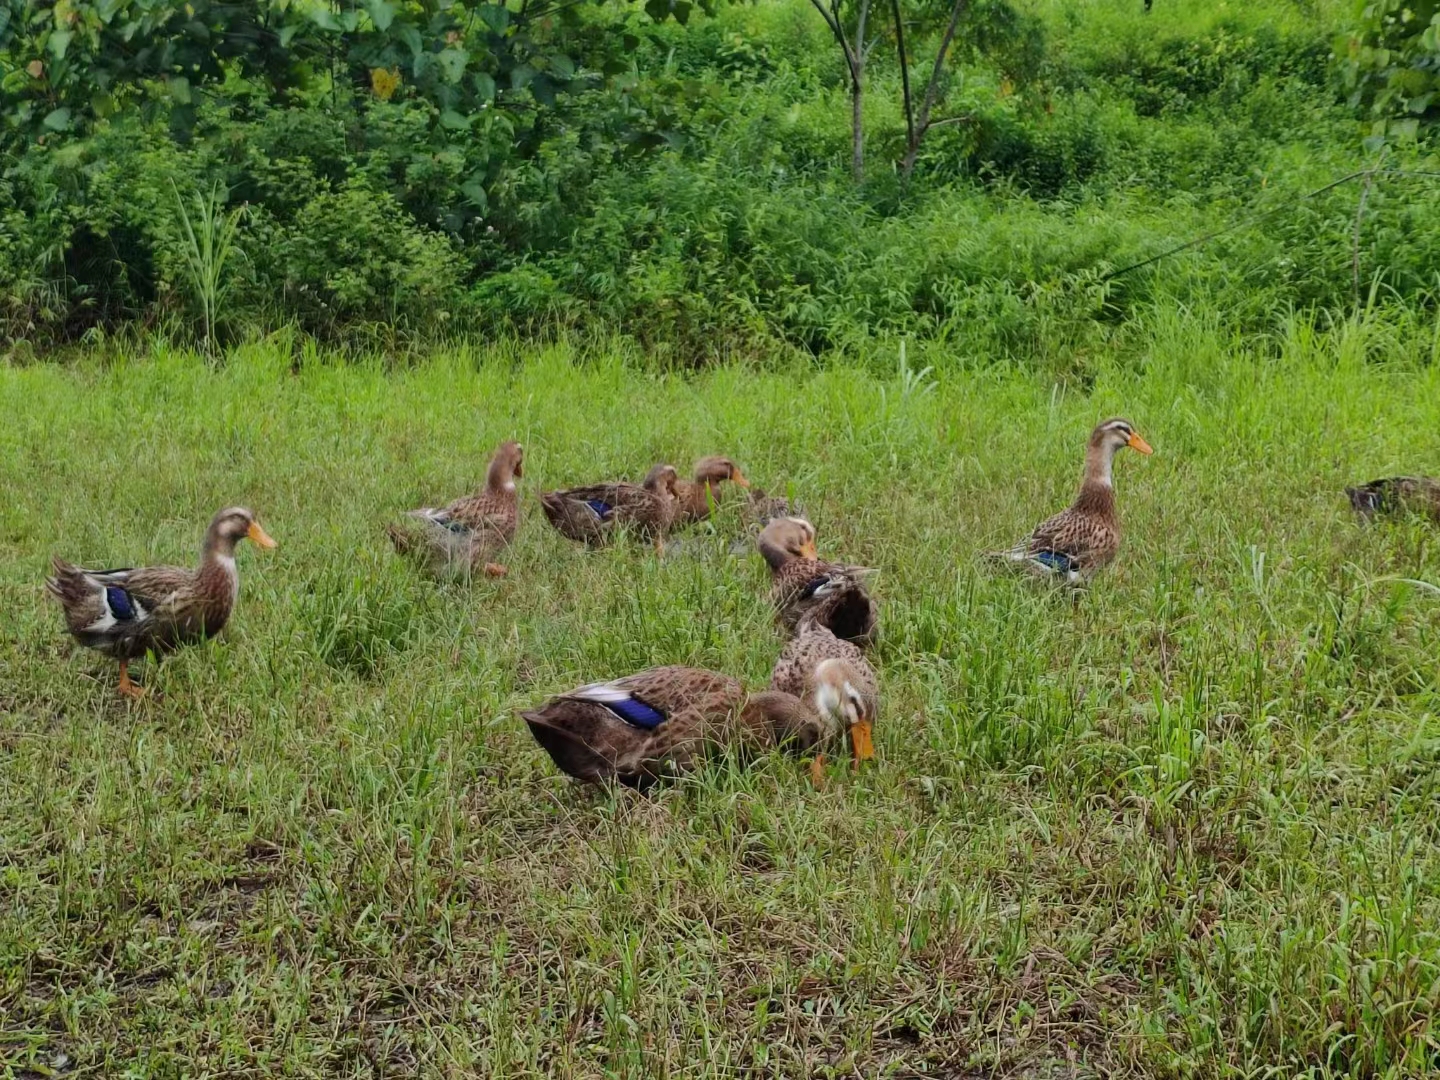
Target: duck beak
{"type": "Point", "coordinates": [808, 550]}
{"type": "Point", "coordinates": [737, 477]}
{"type": "Point", "coordinates": [1137, 443]}
{"type": "Point", "coordinates": [259, 535]}
{"type": "Point", "coordinates": [862, 746]}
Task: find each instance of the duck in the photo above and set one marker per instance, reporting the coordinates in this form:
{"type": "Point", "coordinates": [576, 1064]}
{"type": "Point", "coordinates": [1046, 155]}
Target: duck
{"type": "Point", "coordinates": [801, 582]}
{"type": "Point", "coordinates": [836, 672]}
{"type": "Point", "coordinates": [474, 528]}
{"type": "Point", "coordinates": [591, 514]}
{"type": "Point", "coordinates": [125, 614]}
{"type": "Point", "coordinates": [699, 497]}
{"type": "Point", "coordinates": [1085, 537]}
{"type": "Point", "coordinates": [661, 722]}
{"type": "Point", "coordinates": [1397, 495]}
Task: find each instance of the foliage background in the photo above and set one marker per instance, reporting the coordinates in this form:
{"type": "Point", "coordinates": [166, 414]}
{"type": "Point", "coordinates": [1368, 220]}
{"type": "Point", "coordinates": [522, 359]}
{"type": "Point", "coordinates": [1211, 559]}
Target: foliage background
{"type": "Point", "coordinates": [414, 171]}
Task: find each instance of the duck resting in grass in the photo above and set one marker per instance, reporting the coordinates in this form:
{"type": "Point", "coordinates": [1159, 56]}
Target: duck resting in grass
{"type": "Point", "coordinates": [664, 721]}
{"type": "Point", "coordinates": [592, 514]}
{"type": "Point", "coordinates": [127, 613]}
{"type": "Point", "coordinates": [699, 497]}
{"type": "Point", "coordinates": [1397, 496]}
{"type": "Point", "coordinates": [473, 529]}
{"type": "Point", "coordinates": [1085, 537]}
{"type": "Point", "coordinates": [801, 583]}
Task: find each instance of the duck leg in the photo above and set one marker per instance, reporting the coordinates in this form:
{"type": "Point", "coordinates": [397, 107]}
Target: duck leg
{"type": "Point", "coordinates": [128, 688]}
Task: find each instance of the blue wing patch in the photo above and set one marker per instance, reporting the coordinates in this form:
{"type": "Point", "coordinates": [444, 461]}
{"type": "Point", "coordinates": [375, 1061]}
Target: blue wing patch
{"type": "Point", "coordinates": [600, 509]}
{"type": "Point", "coordinates": [1055, 560]}
{"type": "Point", "coordinates": [455, 526]}
{"type": "Point", "coordinates": [636, 713]}
{"type": "Point", "coordinates": [120, 604]}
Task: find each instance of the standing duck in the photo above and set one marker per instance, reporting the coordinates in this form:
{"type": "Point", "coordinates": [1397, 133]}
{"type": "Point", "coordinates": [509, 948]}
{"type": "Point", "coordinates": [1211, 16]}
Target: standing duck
{"type": "Point", "coordinates": [591, 514]}
{"type": "Point", "coordinates": [1397, 495]}
{"type": "Point", "coordinates": [802, 583]}
{"type": "Point", "coordinates": [127, 613]}
{"type": "Point", "coordinates": [698, 497]}
{"type": "Point", "coordinates": [472, 529]}
{"type": "Point", "coordinates": [662, 721]}
{"type": "Point", "coordinates": [842, 681]}
{"type": "Point", "coordinates": [1085, 537]}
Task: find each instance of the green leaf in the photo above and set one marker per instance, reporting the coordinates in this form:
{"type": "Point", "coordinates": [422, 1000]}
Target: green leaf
{"type": "Point", "coordinates": [659, 10]}
{"type": "Point", "coordinates": [454, 120]}
{"type": "Point", "coordinates": [681, 10]}
{"type": "Point", "coordinates": [484, 86]}
{"type": "Point", "coordinates": [452, 63]}
{"type": "Point", "coordinates": [57, 119]}
{"type": "Point", "coordinates": [496, 16]}
{"type": "Point", "coordinates": [562, 65]}
{"type": "Point", "coordinates": [324, 18]}
{"type": "Point", "coordinates": [520, 76]}
{"type": "Point", "coordinates": [474, 191]}
{"type": "Point", "coordinates": [179, 88]}
{"type": "Point", "coordinates": [58, 43]}
{"type": "Point", "coordinates": [382, 13]}
{"type": "Point", "coordinates": [411, 37]}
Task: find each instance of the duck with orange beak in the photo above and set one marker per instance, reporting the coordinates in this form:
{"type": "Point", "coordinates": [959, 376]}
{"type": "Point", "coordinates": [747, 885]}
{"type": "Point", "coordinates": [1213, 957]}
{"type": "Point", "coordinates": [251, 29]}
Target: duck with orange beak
{"type": "Point", "coordinates": [1085, 537]}
{"type": "Point", "coordinates": [832, 673]}
{"type": "Point", "coordinates": [125, 614]}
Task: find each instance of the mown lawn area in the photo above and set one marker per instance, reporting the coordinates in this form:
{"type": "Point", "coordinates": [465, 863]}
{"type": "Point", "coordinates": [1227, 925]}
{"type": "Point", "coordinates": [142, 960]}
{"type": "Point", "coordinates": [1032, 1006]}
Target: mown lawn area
{"type": "Point", "coordinates": [1183, 824]}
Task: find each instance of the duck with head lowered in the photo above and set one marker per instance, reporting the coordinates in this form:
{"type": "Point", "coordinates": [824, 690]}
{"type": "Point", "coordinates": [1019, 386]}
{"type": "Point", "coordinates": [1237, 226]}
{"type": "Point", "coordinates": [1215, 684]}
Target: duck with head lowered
{"type": "Point", "coordinates": [470, 531]}
{"type": "Point", "coordinates": [663, 721]}
{"type": "Point", "coordinates": [699, 497]}
{"type": "Point", "coordinates": [842, 682]}
{"type": "Point", "coordinates": [592, 514]}
{"type": "Point", "coordinates": [802, 583]}
{"type": "Point", "coordinates": [1396, 496]}
{"type": "Point", "coordinates": [1085, 537]}
{"type": "Point", "coordinates": [127, 613]}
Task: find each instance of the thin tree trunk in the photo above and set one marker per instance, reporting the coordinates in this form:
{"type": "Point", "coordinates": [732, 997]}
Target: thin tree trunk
{"type": "Point", "coordinates": [922, 125]}
{"type": "Point", "coordinates": [904, 72]}
{"type": "Point", "coordinates": [857, 96]}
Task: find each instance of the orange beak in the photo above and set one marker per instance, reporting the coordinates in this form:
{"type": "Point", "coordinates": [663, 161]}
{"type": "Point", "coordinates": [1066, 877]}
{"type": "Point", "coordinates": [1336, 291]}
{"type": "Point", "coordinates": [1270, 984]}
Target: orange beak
{"type": "Point", "coordinates": [808, 550]}
{"type": "Point", "coordinates": [737, 477]}
{"type": "Point", "coordinates": [1137, 443]}
{"type": "Point", "coordinates": [259, 535]}
{"type": "Point", "coordinates": [862, 746]}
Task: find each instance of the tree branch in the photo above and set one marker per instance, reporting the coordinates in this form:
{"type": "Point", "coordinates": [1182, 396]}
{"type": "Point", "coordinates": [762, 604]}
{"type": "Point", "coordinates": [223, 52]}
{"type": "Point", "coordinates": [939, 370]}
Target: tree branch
{"type": "Point", "coordinates": [933, 87]}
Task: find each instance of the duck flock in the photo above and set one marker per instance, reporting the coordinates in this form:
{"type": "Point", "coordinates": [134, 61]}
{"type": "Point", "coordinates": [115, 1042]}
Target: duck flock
{"type": "Point", "coordinates": [661, 721]}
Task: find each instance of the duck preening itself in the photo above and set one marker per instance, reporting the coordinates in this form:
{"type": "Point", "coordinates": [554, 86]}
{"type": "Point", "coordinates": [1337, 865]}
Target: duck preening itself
{"type": "Point", "coordinates": [127, 613]}
{"type": "Point", "coordinates": [1086, 536]}
{"type": "Point", "coordinates": [592, 514]}
{"type": "Point", "coordinates": [1397, 495]}
{"type": "Point", "coordinates": [801, 583]}
{"type": "Point", "coordinates": [663, 721]}
{"type": "Point", "coordinates": [815, 663]}
{"type": "Point", "coordinates": [473, 529]}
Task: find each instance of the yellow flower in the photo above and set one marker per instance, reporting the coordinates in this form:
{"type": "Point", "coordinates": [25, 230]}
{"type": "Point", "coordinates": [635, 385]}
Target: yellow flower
{"type": "Point", "coordinates": [384, 82]}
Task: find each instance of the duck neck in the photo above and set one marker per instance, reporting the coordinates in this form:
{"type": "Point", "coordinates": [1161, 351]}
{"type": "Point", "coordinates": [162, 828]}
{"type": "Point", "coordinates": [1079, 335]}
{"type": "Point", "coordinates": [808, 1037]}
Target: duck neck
{"type": "Point", "coordinates": [500, 479]}
{"type": "Point", "coordinates": [218, 573]}
{"type": "Point", "coordinates": [702, 493]}
{"type": "Point", "coordinates": [774, 555]}
{"type": "Point", "coordinates": [1097, 488]}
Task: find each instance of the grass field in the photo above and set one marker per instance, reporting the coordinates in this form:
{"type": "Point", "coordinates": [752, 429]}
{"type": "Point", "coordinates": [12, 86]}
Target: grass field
{"type": "Point", "coordinates": [1184, 826]}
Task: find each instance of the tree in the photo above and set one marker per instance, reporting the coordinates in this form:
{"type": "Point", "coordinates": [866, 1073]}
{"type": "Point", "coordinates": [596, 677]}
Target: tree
{"type": "Point", "coordinates": [1391, 65]}
{"type": "Point", "coordinates": [856, 52]}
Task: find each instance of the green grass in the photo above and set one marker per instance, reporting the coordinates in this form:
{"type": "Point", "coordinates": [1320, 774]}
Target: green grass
{"type": "Point", "coordinates": [1184, 826]}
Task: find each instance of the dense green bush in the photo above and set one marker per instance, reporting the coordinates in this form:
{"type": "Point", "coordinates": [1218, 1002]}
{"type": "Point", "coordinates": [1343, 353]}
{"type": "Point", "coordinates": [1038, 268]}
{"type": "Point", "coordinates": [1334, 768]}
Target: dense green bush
{"type": "Point", "coordinates": [690, 188]}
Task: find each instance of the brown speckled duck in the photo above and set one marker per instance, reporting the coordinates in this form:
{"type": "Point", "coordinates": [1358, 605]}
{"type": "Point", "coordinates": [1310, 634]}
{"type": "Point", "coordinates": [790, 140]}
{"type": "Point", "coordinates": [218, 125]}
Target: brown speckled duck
{"type": "Point", "coordinates": [802, 583]}
{"type": "Point", "coordinates": [127, 613]}
{"type": "Point", "coordinates": [698, 497]}
{"type": "Point", "coordinates": [1397, 495]}
{"type": "Point", "coordinates": [473, 529]}
{"type": "Point", "coordinates": [816, 662]}
{"type": "Point", "coordinates": [591, 514]}
{"type": "Point", "coordinates": [661, 722]}
{"type": "Point", "coordinates": [1085, 537]}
